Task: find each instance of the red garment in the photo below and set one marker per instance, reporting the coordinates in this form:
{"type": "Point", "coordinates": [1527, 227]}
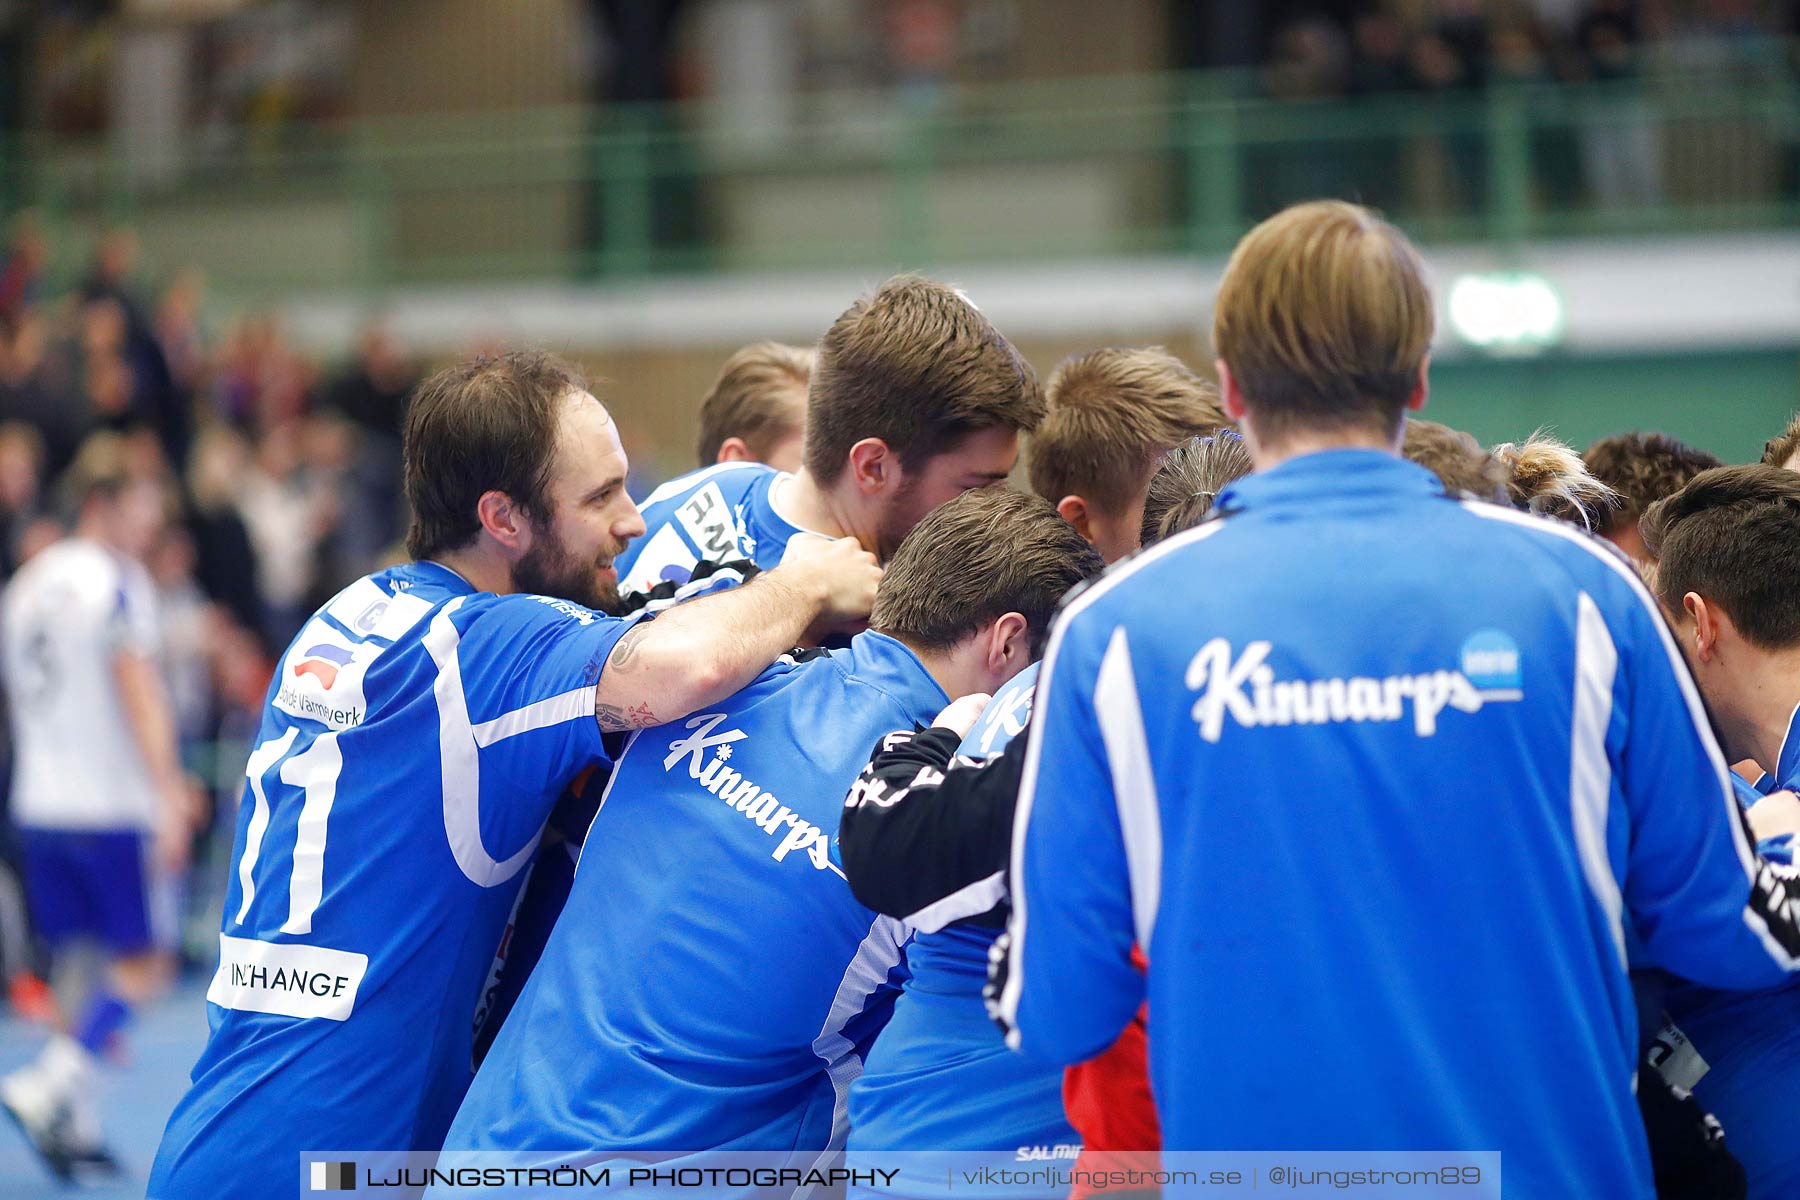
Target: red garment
{"type": "Point", "coordinates": [1109, 1103]}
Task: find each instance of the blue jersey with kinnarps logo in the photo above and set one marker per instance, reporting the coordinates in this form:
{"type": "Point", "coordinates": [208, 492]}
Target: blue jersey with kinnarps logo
{"type": "Point", "coordinates": [715, 514]}
{"type": "Point", "coordinates": [1377, 779]}
{"type": "Point", "coordinates": [1745, 1066]}
{"type": "Point", "coordinates": [712, 982]}
{"type": "Point", "coordinates": [414, 738]}
{"type": "Point", "coordinates": [940, 1077]}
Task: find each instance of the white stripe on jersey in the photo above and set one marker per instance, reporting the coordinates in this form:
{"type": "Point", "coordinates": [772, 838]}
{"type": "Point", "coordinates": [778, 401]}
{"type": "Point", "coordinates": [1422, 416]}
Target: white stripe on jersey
{"type": "Point", "coordinates": [265, 756]}
{"type": "Point", "coordinates": [460, 762]}
{"type": "Point", "coordinates": [1746, 854]}
{"type": "Point", "coordinates": [542, 714]}
{"type": "Point", "coordinates": [1121, 720]}
{"type": "Point", "coordinates": [1008, 1006]}
{"type": "Point", "coordinates": [1590, 771]}
{"type": "Point", "coordinates": [965, 902]}
{"type": "Point", "coordinates": [869, 968]}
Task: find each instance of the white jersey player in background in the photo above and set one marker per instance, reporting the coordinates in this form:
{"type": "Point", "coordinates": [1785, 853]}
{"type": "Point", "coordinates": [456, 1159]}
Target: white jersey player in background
{"type": "Point", "coordinates": [103, 809]}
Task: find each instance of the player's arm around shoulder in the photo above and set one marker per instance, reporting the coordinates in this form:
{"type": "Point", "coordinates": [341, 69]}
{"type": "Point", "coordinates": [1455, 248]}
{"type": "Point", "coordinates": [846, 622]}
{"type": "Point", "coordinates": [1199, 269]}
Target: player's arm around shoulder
{"type": "Point", "coordinates": [921, 825]}
{"type": "Point", "coordinates": [700, 652]}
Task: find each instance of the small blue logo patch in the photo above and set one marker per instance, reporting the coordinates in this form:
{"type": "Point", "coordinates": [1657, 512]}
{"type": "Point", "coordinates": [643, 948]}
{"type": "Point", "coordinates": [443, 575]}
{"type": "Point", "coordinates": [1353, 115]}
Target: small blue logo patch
{"type": "Point", "coordinates": [1490, 661]}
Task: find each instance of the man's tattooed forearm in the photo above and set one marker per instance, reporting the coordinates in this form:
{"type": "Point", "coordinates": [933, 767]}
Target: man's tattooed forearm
{"type": "Point", "coordinates": [626, 648]}
{"type": "Point", "coordinates": [615, 719]}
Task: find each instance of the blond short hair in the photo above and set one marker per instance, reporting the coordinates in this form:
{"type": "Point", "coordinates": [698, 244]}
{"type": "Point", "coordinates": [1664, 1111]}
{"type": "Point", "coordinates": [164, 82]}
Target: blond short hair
{"type": "Point", "coordinates": [1324, 319]}
{"type": "Point", "coordinates": [759, 397]}
{"type": "Point", "coordinates": [1110, 414]}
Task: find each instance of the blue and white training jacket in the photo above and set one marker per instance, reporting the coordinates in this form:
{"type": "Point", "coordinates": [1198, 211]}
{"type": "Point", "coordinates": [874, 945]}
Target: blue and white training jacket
{"type": "Point", "coordinates": [1377, 777]}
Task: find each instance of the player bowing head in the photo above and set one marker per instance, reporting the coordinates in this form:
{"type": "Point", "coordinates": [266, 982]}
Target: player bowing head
{"type": "Point", "coordinates": [1185, 487]}
{"type": "Point", "coordinates": [1539, 475]}
{"type": "Point", "coordinates": [1641, 468]}
{"type": "Point", "coordinates": [748, 1033]}
{"type": "Point", "coordinates": [980, 579]}
{"type": "Point", "coordinates": [915, 397]}
{"type": "Point", "coordinates": [1728, 572]}
{"type": "Point", "coordinates": [1728, 554]}
{"type": "Point", "coordinates": [1112, 415]}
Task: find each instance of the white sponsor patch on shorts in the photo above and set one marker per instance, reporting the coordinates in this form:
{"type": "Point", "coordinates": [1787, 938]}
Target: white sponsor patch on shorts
{"type": "Point", "coordinates": [288, 981]}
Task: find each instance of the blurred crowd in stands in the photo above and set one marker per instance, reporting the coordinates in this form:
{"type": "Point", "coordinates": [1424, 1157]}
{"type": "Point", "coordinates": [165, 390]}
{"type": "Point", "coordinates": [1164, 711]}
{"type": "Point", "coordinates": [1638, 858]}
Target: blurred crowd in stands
{"type": "Point", "coordinates": [1608, 151]}
{"type": "Point", "coordinates": [1450, 44]}
{"type": "Point", "coordinates": [282, 479]}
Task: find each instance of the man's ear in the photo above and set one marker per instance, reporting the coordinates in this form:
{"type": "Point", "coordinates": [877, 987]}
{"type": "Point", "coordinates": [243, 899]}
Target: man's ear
{"type": "Point", "coordinates": [1008, 645]}
{"type": "Point", "coordinates": [1229, 393]}
{"type": "Point", "coordinates": [873, 467]}
{"type": "Point", "coordinates": [734, 450]}
{"type": "Point", "coordinates": [1710, 622]}
{"type": "Point", "coordinates": [1074, 510]}
{"type": "Point", "coordinates": [1422, 389]}
{"type": "Point", "coordinates": [504, 521]}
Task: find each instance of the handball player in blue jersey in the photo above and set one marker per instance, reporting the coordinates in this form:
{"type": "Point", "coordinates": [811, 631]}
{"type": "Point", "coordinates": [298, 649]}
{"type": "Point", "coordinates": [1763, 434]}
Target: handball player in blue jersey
{"type": "Point", "coordinates": [914, 398]}
{"type": "Point", "coordinates": [1727, 550]}
{"type": "Point", "coordinates": [712, 984]}
{"type": "Point", "coordinates": [1428, 952]}
{"type": "Point", "coordinates": [933, 851]}
{"type": "Point", "coordinates": [414, 738]}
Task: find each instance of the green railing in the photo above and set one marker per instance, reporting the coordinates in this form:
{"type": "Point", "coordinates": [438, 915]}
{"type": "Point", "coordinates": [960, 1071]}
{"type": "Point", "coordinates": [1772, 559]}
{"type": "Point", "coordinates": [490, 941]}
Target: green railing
{"type": "Point", "coordinates": [1165, 164]}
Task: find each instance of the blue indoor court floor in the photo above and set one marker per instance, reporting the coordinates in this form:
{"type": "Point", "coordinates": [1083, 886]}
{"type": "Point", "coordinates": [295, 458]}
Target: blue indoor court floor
{"type": "Point", "coordinates": [135, 1100]}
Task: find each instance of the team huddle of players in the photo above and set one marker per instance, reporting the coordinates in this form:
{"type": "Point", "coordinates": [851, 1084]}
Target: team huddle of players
{"type": "Point", "coordinates": [1339, 785]}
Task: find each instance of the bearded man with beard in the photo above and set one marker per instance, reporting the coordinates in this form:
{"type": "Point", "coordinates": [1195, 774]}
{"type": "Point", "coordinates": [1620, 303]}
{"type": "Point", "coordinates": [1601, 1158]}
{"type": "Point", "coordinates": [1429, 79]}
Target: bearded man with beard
{"type": "Point", "coordinates": [914, 399]}
{"type": "Point", "coordinates": [414, 739]}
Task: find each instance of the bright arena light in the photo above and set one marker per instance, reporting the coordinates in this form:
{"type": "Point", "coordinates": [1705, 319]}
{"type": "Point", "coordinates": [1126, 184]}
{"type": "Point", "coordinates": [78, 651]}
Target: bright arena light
{"type": "Point", "coordinates": [1514, 311]}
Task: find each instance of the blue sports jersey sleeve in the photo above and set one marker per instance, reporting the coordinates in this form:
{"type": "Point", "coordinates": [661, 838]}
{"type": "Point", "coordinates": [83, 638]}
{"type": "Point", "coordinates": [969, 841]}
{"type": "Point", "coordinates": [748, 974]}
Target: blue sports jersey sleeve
{"type": "Point", "coordinates": [516, 698]}
{"type": "Point", "coordinates": [1069, 869]}
{"type": "Point", "coordinates": [1704, 905]}
{"type": "Point", "coordinates": [697, 518]}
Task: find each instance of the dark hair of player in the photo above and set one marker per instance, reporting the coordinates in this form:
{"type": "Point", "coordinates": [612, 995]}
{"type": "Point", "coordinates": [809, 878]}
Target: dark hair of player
{"type": "Point", "coordinates": [1643, 468]}
{"type": "Point", "coordinates": [1190, 479]}
{"type": "Point", "coordinates": [760, 397]}
{"type": "Point", "coordinates": [988, 552]}
{"type": "Point", "coordinates": [485, 425]}
{"type": "Point", "coordinates": [1733, 536]}
{"type": "Point", "coordinates": [1110, 415]}
{"type": "Point", "coordinates": [918, 366]}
